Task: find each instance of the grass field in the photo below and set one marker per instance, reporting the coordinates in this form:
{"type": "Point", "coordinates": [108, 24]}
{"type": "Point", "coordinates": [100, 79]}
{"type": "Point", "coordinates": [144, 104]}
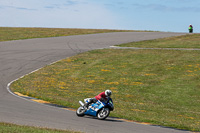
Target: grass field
{"type": "Point", "coordinates": [185, 41]}
{"type": "Point", "coordinates": [9, 33]}
{"type": "Point", "coordinates": [12, 128]}
{"type": "Point", "coordinates": [156, 86]}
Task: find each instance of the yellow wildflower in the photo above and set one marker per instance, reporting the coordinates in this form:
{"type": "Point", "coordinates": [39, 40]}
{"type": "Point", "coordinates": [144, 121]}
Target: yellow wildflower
{"type": "Point", "coordinates": [105, 70]}
{"type": "Point", "coordinates": [91, 81]}
{"type": "Point", "coordinates": [69, 60]}
{"type": "Point", "coordinates": [129, 96]}
{"type": "Point", "coordinates": [113, 88]}
{"type": "Point", "coordinates": [138, 110]}
{"type": "Point", "coordinates": [112, 83]}
{"type": "Point", "coordinates": [149, 74]}
{"type": "Point", "coordinates": [136, 83]}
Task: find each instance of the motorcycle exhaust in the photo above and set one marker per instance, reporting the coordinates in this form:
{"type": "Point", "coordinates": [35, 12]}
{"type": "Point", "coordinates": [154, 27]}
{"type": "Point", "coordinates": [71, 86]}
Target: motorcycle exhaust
{"type": "Point", "coordinates": [81, 103]}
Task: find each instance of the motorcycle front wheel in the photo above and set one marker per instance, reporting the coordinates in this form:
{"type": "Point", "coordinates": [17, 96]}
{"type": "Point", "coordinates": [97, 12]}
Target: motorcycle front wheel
{"type": "Point", "coordinates": [103, 113]}
{"type": "Point", "coordinates": [80, 111]}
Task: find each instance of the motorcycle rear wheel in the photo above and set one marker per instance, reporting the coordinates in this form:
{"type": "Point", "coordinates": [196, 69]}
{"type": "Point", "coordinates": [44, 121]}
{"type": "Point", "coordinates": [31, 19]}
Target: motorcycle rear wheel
{"type": "Point", "coordinates": [80, 111]}
{"type": "Point", "coordinates": [103, 113]}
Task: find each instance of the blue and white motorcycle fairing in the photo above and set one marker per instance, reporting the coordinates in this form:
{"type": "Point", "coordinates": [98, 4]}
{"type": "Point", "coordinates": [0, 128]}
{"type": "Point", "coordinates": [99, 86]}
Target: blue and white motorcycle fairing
{"type": "Point", "coordinates": [100, 109]}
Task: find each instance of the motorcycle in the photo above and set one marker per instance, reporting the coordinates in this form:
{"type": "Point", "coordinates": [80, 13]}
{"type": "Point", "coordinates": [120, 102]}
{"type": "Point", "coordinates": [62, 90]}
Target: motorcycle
{"type": "Point", "coordinates": [100, 109]}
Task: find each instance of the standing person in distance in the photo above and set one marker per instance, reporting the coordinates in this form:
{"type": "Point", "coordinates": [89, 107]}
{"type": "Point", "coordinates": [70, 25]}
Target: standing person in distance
{"type": "Point", "coordinates": [190, 28]}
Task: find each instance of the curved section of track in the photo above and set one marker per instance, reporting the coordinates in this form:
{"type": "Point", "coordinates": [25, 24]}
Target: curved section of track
{"type": "Point", "coordinates": [18, 58]}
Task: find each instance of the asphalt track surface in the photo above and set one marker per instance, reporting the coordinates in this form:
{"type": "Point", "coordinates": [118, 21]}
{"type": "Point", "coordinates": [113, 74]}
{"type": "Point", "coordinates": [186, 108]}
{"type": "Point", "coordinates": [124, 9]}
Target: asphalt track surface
{"type": "Point", "coordinates": [21, 57]}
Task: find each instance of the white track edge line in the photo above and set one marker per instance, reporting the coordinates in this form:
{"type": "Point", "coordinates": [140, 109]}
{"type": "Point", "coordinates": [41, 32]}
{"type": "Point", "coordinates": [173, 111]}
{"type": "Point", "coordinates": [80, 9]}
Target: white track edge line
{"type": "Point", "coordinates": [8, 87]}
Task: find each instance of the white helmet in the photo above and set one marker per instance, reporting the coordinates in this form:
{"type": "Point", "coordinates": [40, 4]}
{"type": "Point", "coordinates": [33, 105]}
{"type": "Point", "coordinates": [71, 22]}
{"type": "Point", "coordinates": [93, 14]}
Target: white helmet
{"type": "Point", "coordinates": [108, 93]}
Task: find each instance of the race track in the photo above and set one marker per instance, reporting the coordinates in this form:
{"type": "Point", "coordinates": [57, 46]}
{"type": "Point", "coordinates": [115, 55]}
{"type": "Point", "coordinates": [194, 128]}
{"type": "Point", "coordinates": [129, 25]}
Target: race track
{"type": "Point", "coordinates": [21, 57]}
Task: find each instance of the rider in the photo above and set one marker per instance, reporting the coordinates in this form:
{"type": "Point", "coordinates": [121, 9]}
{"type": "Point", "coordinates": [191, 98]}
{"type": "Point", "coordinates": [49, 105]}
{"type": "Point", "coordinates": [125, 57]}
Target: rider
{"type": "Point", "coordinates": [103, 96]}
